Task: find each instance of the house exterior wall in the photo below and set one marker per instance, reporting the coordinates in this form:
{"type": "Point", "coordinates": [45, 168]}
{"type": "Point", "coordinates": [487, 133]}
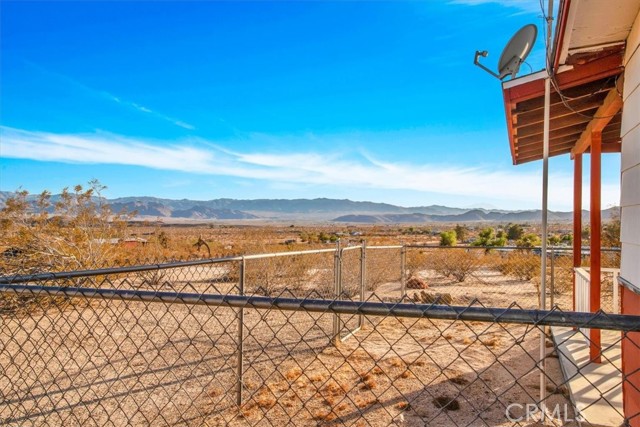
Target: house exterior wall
{"type": "Point", "coordinates": [630, 219]}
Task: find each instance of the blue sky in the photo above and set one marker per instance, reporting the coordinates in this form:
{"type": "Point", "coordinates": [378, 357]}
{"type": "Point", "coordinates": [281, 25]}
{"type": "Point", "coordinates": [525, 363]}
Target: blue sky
{"type": "Point", "coordinates": [363, 100]}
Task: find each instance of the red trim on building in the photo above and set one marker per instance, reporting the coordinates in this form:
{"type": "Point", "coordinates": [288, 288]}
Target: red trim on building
{"type": "Point", "coordinates": [596, 222]}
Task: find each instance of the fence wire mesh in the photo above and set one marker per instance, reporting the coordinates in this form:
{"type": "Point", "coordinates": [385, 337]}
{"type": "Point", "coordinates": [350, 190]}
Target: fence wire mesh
{"type": "Point", "coordinates": [247, 342]}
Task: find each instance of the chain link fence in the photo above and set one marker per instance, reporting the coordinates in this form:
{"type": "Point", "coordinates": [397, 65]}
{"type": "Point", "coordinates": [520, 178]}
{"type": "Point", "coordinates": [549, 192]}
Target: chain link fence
{"type": "Point", "coordinates": [500, 276]}
{"type": "Point", "coordinates": [297, 339]}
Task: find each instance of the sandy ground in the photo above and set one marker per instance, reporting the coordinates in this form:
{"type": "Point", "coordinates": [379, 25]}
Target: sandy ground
{"type": "Point", "coordinates": [119, 363]}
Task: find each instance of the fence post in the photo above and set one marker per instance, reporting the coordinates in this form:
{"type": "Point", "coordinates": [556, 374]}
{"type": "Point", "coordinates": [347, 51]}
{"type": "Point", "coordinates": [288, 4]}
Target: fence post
{"type": "Point", "coordinates": [240, 366]}
{"type": "Point", "coordinates": [363, 277]}
{"type": "Point", "coordinates": [552, 279]}
{"type": "Point", "coordinates": [337, 278]}
{"type": "Point", "coordinates": [403, 273]}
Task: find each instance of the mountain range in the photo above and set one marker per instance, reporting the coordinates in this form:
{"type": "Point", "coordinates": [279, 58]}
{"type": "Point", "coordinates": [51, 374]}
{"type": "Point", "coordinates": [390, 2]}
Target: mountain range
{"type": "Point", "coordinates": [322, 209]}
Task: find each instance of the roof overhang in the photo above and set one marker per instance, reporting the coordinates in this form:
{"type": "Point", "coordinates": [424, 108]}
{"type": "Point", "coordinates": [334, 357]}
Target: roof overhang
{"type": "Point", "coordinates": [588, 68]}
{"type": "Point", "coordinates": [589, 29]}
{"type": "Point", "coordinates": [589, 92]}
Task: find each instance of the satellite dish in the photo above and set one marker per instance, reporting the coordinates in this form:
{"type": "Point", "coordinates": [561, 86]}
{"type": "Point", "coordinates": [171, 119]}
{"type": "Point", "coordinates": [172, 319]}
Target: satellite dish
{"type": "Point", "coordinates": [514, 53]}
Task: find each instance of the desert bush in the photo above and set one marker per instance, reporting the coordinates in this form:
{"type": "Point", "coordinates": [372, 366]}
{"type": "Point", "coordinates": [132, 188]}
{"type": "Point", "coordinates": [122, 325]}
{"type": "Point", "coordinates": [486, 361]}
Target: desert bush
{"type": "Point", "coordinates": [522, 265]}
{"type": "Point", "coordinates": [416, 261]}
{"type": "Point", "coordinates": [78, 231]}
{"type": "Point", "coordinates": [383, 265]}
{"type": "Point", "coordinates": [448, 238]}
{"type": "Point", "coordinates": [75, 232]}
{"type": "Point", "coordinates": [455, 263]}
{"type": "Point", "coordinates": [563, 274]}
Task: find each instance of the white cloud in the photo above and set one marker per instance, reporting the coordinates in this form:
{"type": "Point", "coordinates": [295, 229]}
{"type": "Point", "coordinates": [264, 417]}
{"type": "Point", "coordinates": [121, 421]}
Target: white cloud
{"type": "Point", "coordinates": [149, 111]}
{"type": "Point", "coordinates": [302, 168]}
{"type": "Point", "coordinates": [109, 96]}
{"type": "Point", "coordinates": [532, 6]}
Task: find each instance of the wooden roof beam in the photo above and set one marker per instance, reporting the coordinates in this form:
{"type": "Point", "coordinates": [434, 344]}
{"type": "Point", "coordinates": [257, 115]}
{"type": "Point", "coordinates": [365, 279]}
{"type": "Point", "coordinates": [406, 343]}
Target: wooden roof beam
{"type": "Point", "coordinates": [609, 108]}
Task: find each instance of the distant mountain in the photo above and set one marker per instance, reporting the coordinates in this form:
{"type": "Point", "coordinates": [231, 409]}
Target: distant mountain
{"type": "Point", "coordinates": [323, 209]}
{"type": "Point", "coordinates": [475, 215]}
{"type": "Point", "coordinates": [204, 212]}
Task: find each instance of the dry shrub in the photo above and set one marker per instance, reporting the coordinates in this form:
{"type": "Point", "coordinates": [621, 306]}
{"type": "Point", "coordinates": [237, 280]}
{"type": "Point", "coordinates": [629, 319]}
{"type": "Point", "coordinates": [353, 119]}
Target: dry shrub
{"type": "Point", "coordinates": [403, 406]}
{"type": "Point", "coordinates": [265, 399]}
{"type": "Point", "coordinates": [406, 374]}
{"type": "Point", "coordinates": [343, 406]}
{"type": "Point", "coordinates": [362, 402]}
{"type": "Point", "coordinates": [397, 362]}
{"type": "Point", "coordinates": [563, 274]}
{"type": "Point", "coordinates": [522, 265]}
{"type": "Point", "coordinates": [214, 392]}
{"type": "Point", "coordinates": [368, 381]}
{"type": "Point", "coordinates": [321, 415]}
{"type": "Point", "coordinates": [383, 266]}
{"type": "Point", "coordinates": [293, 373]}
{"type": "Point", "coordinates": [316, 377]}
{"type": "Point", "coordinates": [416, 261]}
{"type": "Point", "coordinates": [491, 342]}
{"type": "Point", "coordinates": [455, 263]}
{"type": "Point", "coordinates": [333, 388]}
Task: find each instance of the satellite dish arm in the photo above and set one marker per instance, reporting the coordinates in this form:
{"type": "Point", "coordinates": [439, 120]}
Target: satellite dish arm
{"type": "Point", "coordinates": [484, 53]}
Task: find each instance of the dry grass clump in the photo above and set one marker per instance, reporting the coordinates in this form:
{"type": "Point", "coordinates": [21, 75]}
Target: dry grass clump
{"type": "Point", "coordinates": [215, 392]}
{"type": "Point", "coordinates": [293, 373]}
{"type": "Point", "coordinates": [397, 362]}
{"type": "Point", "coordinates": [265, 399]}
{"type": "Point", "coordinates": [317, 377]}
{"type": "Point", "coordinates": [362, 402]}
{"type": "Point", "coordinates": [406, 374]}
{"type": "Point", "coordinates": [333, 388]}
{"type": "Point", "coordinates": [368, 381]}
{"type": "Point", "coordinates": [377, 370]}
{"type": "Point", "coordinates": [323, 415]}
{"type": "Point", "coordinates": [491, 342]}
{"type": "Point", "coordinates": [403, 406]}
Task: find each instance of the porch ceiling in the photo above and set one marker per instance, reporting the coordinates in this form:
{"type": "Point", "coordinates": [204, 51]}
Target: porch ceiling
{"type": "Point", "coordinates": [589, 100]}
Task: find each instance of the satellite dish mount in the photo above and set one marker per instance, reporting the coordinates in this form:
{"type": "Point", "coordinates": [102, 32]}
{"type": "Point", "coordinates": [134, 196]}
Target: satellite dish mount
{"type": "Point", "coordinates": [514, 53]}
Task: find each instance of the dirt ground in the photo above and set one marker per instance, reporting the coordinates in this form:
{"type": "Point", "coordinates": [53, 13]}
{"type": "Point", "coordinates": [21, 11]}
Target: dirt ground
{"type": "Point", "coordinates": [135, 363]}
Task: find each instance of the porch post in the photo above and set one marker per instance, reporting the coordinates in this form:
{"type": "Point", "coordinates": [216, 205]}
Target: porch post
{"type": "Point", "coordinates": [595, 215]}
{"type": "Point", "coordinates": [577, 219]}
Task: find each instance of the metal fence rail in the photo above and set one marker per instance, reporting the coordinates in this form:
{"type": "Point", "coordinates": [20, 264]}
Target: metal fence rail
{"type": "Point", "coordinates": [600, 320]}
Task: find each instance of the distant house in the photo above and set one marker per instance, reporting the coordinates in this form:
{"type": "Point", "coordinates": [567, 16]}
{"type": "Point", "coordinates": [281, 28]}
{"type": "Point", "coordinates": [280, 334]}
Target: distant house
{"type": "Point", "coordinates": [129, 242]}
{"type": "Point", "coordinates": [133, 242]}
